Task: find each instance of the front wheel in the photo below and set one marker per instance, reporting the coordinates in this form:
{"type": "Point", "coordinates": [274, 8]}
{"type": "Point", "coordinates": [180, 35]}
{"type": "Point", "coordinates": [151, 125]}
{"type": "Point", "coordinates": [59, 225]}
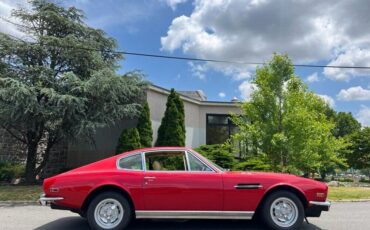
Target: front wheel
{"type": "Point", "coordinates": [109, 210]}
{"type": "Point", "coordinates": [283, 210]}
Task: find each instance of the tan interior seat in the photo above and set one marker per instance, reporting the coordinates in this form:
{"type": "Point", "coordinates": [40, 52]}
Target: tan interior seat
{"type": "Point", "coordinates": [157, 166]}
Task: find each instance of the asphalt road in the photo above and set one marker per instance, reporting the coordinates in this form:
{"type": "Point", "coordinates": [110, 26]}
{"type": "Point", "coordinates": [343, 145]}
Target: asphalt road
{"type": "Point", "coordinates": [346, 215]}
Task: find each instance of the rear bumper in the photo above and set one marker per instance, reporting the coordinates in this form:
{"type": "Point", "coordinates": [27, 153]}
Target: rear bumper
{"type": "Point", "coordinates": [48, 200]}
{"type": "Point", "coordinates": [316, 207]}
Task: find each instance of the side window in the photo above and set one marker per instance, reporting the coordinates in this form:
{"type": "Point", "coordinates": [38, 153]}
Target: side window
{"type": "Point", "coordinates": [133, 162]}
{"type": "Point", "coordinates": [165, 161]}
{"type": "Point", "coordinates": [197, 165]}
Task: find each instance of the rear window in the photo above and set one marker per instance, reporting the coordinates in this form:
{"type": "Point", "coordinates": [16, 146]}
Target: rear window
{"type": "Point", "coordinates": [131, 162]}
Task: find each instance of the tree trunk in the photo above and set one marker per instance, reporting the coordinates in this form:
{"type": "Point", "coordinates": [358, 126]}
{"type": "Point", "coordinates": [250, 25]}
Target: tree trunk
{"type": "Point", "coordinates": [31, 163]}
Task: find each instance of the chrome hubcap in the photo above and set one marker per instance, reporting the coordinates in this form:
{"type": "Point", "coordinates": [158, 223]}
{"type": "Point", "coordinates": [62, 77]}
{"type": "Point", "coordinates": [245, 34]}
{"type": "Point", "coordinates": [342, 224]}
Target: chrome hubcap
{"type": "Point", "coordinates": [108, 213]}
{"type": "Point", "coordinates": [284, 212]}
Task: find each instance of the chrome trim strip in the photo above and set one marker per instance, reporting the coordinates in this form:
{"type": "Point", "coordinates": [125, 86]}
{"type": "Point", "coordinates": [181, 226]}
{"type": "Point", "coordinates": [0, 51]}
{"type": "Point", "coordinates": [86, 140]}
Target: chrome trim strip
{"type": "Point", "coordinates": [320, 203]}
{"type": "Point", "coordinates": [47, 200]}
{"type": "Point", "coordinates": [194, 215]}
{"type": "Point", "coordinates": [187, 160]}
{"type": "Point", "coordinates": [248, 186]}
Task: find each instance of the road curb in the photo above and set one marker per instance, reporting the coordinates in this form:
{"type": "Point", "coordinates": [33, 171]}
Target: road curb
{"type": "Point", "coordinates": [17, 203]}
{"type": "Point", "coordinates": [344, 201]}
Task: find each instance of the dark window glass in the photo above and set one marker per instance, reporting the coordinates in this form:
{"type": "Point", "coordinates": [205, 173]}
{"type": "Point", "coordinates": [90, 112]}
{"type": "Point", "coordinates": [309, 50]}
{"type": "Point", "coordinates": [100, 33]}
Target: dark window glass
{"type": "Point", "coordinates": [131, 162]}
{"type": "Point", "coordinates": [219, 128]}
{"type": "Point", "coordinates": [218, 119]}
{"type": "Point", "coordinates": [196, 165]}
{"type": "Point", "coordinates": [165, 161]}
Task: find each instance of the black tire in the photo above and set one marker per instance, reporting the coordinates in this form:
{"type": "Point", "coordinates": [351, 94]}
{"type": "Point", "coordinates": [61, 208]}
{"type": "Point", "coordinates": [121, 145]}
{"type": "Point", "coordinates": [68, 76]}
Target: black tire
{"type": "Point", "coordinates": [124, 220]}
{"type": "Point", "coordinates": [270, 218]}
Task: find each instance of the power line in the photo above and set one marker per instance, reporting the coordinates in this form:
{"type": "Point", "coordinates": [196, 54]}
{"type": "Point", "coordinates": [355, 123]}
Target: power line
{"type": "Point", "coordinates": [182, 58]}
{"type": "Point", "coordinates": [151, 55]}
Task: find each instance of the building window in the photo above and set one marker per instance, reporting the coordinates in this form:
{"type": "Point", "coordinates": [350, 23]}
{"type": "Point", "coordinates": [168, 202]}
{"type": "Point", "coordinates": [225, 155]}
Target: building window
{"type": "Point", "coordinates": [219, 128]}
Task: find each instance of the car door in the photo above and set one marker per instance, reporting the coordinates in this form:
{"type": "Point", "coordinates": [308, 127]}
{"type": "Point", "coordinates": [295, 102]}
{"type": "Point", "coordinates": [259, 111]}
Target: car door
{"type": "Point", "coordinates": [171, 185]}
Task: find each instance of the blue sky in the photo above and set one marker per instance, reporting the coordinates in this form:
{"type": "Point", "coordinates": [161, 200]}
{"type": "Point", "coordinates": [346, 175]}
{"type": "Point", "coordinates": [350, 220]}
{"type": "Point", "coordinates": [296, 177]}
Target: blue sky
{"type": "Point", "coordinates": [311, 32]}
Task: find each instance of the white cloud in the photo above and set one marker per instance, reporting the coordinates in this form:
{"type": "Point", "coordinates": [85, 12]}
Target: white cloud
{"type": "Point", "coordinates": [221, 94]}
{"type": "Point", "coordinates": [246, 89]}
{"type": "Point", "coordinates": [328, 100]}
{"type": "Point", "coordinates": [251, 30]}
{"type": "Point", "coordinates": [173, 3]}
{"type": "Point", "coordinates": [6, 7]}
{"type": "Point", "coordinates": [363, 115]}
{"type": "Point", "coordinates": [313, 78]}
{"type": "Point", "coordinates": [353, 56]}
{"type": "Point", "coordinates": [198, 70]}
{"type": "Point", "coordinates": [354, 94]}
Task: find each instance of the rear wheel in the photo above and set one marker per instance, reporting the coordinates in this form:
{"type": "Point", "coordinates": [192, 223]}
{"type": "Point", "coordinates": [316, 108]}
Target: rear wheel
{"type": "Point", "coordinates": [109, 210]}
{"type": "Point", "coordinates": [282, 210]}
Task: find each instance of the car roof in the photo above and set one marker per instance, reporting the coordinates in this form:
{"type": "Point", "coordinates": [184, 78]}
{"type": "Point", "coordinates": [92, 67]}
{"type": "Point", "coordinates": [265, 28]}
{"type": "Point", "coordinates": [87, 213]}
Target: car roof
{"type": "Point", "coordinates": [156, 149]}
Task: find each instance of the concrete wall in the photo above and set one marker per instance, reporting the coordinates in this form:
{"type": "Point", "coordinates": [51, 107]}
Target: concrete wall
{"type": "Point", "coordinates": [80, 153]}
{"type": "Point", "coordinates": [106, 139]}
{"type": "Point", "coordinates": [195, 115]}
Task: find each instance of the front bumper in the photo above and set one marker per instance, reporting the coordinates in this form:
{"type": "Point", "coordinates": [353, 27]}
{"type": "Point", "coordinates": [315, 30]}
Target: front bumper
{"type": "Point", "coordinates": [48, 200]}
{"type": "Point", "coordinates": [316, 207]}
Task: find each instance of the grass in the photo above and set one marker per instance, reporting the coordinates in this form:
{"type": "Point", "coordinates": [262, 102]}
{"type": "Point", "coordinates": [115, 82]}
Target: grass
{"type": "Point", "coordinates": [348, 193]}
{"type": "Point", "coordinates": [20, 193]}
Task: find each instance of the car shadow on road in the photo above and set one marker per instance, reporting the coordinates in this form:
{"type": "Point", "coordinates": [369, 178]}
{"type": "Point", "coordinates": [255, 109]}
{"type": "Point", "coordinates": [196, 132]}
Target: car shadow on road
{"type": "Point", "coordinates": [72, 223]}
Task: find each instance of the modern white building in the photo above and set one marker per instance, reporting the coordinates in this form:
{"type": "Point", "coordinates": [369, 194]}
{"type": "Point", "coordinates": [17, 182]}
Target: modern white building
{"type": "Point", "coordinates": [207, 122]}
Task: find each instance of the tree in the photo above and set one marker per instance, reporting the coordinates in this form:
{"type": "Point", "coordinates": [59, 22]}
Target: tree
{"type": "Point", "coordinates": [171, 132]}
{"type": "Point", "coordinates": [359, 155]}
{"type": "Point", "coordinates": [144, 126]}
{"type": "Point", "coordinates": [129, 140]}
{"type": "Point", "coordinates": [286, 123]}
{"type": "Point", "coordinates": [180, 107]}
{"type": "Point", "coordinates": [61, 82]}
{"type": "Point", "coordinates": [345, 124]}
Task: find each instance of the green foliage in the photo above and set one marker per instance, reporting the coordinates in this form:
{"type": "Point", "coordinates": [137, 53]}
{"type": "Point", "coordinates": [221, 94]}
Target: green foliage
{"type": "Point", "coordinates": [358, 155]}
{"type": "Point", "coordinates": [171, 132]}
{"type": "Point", "coordinates": [62, 83]}
{"type": "Point", "coordinates": [9, 171]}
{"type": "Point", "coordinates": [345, 124]}
{"type": "Point", "coordinates": [144, 126]}
{"type": "Point", "coordinates": [259, 163]}
{"type": "Point", "coordinates": [129, 140]}
{"type": "Point", "coordinates": [287, 123]}
{"type": "Point", "coordinates": [219, 154]}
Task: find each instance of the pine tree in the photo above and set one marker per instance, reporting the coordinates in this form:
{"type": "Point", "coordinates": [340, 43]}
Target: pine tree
{"type": "Point", "coordinates": [144, 126]}
{"type": "Point", "coordinates": [61, 84]}
{"type": "Point", "coordinates": [172, 129]}
{"type": "Point", "coordinates": [129, 140]}
{"type": "Point", "coordinates": [180, 107]}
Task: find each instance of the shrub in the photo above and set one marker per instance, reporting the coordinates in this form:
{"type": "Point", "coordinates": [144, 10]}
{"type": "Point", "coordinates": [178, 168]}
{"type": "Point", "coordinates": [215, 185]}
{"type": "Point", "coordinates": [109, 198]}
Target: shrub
{"type": "Point", "coordinates": [256, 163]}
{"type": "Point", "coordinates": [219, 154]}
{"type": "Point", "coordinates": [171, 132]}
{"type": "Point", "coordinates": [9, 171]}
{"type": "Point", "coordinates": [144, 126]}
{"type": "Point", "coordinates": [363, 180]}
{"type": "Point", "coordinates": [345, 180]}
{"type": "Point", "coordinates": [129, 140]}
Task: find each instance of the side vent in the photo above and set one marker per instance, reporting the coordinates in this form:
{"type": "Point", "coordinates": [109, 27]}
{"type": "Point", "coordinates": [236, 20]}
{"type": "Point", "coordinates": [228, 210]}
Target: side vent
{"type": "Point", "coordinates": [248, 186]}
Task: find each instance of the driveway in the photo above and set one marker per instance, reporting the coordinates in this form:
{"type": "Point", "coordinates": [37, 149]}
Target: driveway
{"type": "Point", "coordinates": [343, 215]}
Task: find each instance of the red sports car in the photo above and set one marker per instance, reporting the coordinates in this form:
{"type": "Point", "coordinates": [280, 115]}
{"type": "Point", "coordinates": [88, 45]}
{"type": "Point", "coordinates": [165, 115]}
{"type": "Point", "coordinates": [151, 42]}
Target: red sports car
{"type": "Point", "coordinates": [178, 183]}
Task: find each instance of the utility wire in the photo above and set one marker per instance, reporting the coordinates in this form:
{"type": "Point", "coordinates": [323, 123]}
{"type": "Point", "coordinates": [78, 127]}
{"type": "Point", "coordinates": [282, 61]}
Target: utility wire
{"type": "Point", "coordinates": [151, 55]}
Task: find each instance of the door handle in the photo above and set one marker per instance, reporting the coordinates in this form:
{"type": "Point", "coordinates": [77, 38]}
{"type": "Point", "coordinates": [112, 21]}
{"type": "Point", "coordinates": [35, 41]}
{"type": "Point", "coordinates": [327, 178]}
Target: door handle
{"type": "Point", "coordinates": [149, 177]}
